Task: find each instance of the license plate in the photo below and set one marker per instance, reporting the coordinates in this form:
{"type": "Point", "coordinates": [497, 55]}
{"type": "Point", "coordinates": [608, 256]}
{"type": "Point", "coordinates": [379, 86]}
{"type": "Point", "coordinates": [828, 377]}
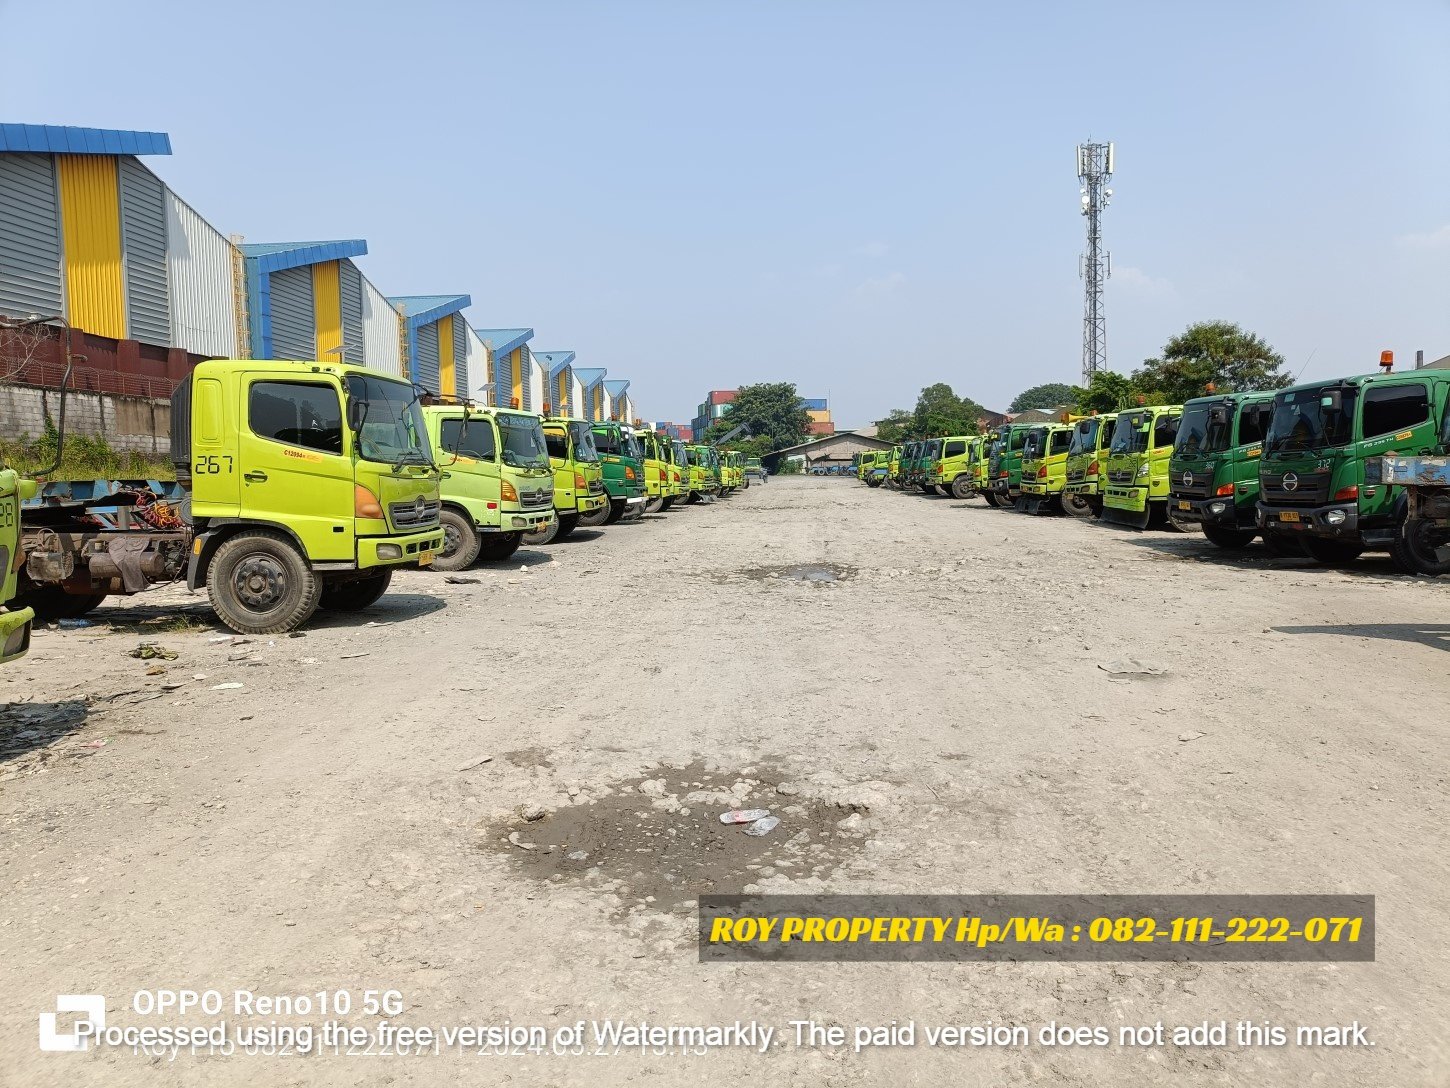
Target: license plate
{"type": "Point", "coordinates": [1289, 515]}
{"type": "Point", "coordinates": [1184, 505]}
{"type": "Point", "coordinates": [425, 558]}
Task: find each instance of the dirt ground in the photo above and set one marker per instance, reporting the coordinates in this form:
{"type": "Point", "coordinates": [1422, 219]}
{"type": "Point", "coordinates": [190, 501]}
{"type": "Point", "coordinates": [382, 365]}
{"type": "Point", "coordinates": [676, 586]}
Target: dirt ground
{"type": "Point", "coordinates": [500, 797]}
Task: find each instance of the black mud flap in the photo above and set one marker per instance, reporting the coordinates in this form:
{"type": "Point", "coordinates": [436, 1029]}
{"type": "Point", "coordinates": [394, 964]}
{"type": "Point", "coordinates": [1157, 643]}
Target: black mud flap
{"type": "Point", "coordinates": [1128, 518]}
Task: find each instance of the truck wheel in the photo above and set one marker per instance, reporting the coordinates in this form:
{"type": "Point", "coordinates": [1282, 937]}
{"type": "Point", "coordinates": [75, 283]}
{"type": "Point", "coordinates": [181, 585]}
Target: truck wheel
{"type": "Point", "coordinates": [597, 517]}
{"type": "Point", "coordinates": [567, 523]}
{"type": "Point", "coordinates": [545, 535]}
{"type": "Point", "coordinates": [1331, 553]}
{"type": "Point", "coordinates": [496, 546]}
{"type": "Point", "coordinates": [961, 487]}
{"type": "Point", "coordinates": [654, 505]}
{"type": "Point", "coordinates": [666, 503]}
{"type": "Point", "coordinates": [54, 603]}
{"type": "Point", "coordinates": [259, 584]}
{"type": "Point", "coordinates": [1079, 506]}
{"type": "Point", "coordinates": [1231, 539]}
{"type": "Point", "coordinates": [460, 542]}
{"type": "Point", "coordinates": [1423, 548]}
{"type": "Point", "coordinates": [616, 511]}
{"type": "Point", "coordinates": [355, 595]}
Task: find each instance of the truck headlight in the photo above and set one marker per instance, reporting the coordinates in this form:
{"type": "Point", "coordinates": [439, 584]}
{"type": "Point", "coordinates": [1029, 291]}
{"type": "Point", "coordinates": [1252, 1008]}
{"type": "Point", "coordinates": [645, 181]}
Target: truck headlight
{"type": "Point", "coordinates": [389, 551]}
{"type": "Point", "coordinates": [1335, 517]}
{"type": "Point", "coordinates": [1142, 472]}
{"type": "Point", "coordinates": [1217, 507]}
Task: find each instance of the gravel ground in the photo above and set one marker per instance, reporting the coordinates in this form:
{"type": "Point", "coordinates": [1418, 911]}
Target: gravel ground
{"type": "Point", "coordinates": [400, 798]}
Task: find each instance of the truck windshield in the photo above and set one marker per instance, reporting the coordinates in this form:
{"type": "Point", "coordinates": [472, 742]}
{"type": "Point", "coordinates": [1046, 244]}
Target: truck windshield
{"type": "Point", "coordinates": [1302, 421]}
{"type": "Point", "coordinates": [633, 447]}
{"type": "Point", "coordinates": [523, 441]}
{"type": "Point", "coordinates": [1131, 434]}
{"type": "Point", "coordinates": [392, 430]}
{"type": "Point", "coordinates": [1032, 446]}
{"type": "Point", "coordinates": [606, 440]}
{"type": "Point", "coordinates": [583, 436]}
{"type": "Point", "coordinates": [1197, 433]}
{"type": "Point", "coordinates": [1085, 436]}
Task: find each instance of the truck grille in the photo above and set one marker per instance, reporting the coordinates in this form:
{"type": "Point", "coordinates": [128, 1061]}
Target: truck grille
{"type": "Point", "coordinates": [541, 497]}
{"type": "Point", "coordinates": [1121, 476]}
{"type": "Point", "coordinates": [1310, 488]}
{"type": "Point", "coordinates": [596, 487]}
{"type": "Point", "coordinates": [1192, 485]}
{"type": "Point", "coordinates": [415, 514]}
{"type": "Point", "coordinates": [1076, 475]}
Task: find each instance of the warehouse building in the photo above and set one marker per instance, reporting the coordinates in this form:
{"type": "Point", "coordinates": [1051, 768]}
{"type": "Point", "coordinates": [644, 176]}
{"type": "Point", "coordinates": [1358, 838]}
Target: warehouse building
{"type": "Point", "coordinates": [436, 341]}
{"type": "Point", "coordinates": [89, 234]}
{"type": "Point", "coordinates": [589, 382]}
{"type": "Point", "coordinates": [558, 367]}
{"type": "Point", "coordinates": [511, 367]}
{"type": "Point", "coordinates": [620, 405]}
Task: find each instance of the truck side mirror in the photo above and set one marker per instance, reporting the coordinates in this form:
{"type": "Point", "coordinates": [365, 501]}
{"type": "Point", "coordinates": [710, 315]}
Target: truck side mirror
{"type": "Point", "coordinates": [357, 414]}
{"type": "Point", "coordinates": [1218, 414]}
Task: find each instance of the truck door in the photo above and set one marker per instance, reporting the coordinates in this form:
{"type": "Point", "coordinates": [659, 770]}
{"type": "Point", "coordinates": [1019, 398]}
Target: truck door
{"type": "Point", "coordinates": [1394, 418]}
{"type": "Point", "coordinates": [215, 473]}
{"type": "Point", "coordinates": [293, 460]}
{"type": "Point", "coordinates": [469, 458]}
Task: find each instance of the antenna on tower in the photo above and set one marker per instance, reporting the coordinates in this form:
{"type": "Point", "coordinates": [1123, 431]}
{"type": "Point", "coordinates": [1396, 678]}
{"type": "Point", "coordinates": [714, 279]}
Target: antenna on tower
{"type": "Point", "coordinates": [1094, 171]}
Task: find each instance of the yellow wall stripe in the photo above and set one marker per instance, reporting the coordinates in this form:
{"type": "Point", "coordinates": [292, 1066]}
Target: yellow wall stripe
{"type": "Point", "coordinates": [327, 310]}
{"type": "Point", "coordinates": [447, 365]}
{"type": "Point", "coordinates": [516, 362]}
{"type": "Point", "coordinates": [90, 209]}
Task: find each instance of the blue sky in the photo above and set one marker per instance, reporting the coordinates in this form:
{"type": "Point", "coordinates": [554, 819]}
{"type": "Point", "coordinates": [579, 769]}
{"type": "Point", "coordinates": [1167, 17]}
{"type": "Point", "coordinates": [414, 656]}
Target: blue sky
{"type": "Point", "coordinates": [862, 198]}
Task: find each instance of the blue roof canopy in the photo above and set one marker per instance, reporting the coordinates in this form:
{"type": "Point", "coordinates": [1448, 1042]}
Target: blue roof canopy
{"type": "Point", "coordinates": [615, 386]}
{"type": "Point", "coordinates": [425, 309]}
{"type": "Point", "coordinates": [505, 340]}
{"type": "Point", "coordinates": [68, 140]}
{"type": "Point", "coordinates": [554, 360]}
{"type": "Point", "coordinates": [589, 376]}
{"type": "Point", "coordinates": [276, 256]}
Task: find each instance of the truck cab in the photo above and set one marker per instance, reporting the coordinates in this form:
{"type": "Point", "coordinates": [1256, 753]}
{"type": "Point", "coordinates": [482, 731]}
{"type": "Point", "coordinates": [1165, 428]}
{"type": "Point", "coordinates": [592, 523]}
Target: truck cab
{"type": "Point", "coordinates": [655, 457]}
{"type": "Point", "coordinates": [1087, 458]}
{"type": "Point", "coordinates": [1320, 475]}
{"type": "Point", "coordinates": [1136, 492]}
{"type": "Point", "coordinates": [927, 459]}
{"type": "Point", "coordinates": [1044, 467]}
{"type": "Point", "coordinates": [1006, 463]}
{"type": "Point", "coordinates": [578, 476]}
{"type": "Point", "coordinates": [622, 461]}
{"type": "Point", "coordinates": [951, 472]}
{"type": "Point", "coordinates": [704, 472]}
{"type": "Point", "coordinates": [497, 482]}
{"type": "Point", "coordinates": [15, 622]}
{"type": "Point", "coordinates": [679, 469]}
{"type": "Point", "coordinates": [1213, 473]}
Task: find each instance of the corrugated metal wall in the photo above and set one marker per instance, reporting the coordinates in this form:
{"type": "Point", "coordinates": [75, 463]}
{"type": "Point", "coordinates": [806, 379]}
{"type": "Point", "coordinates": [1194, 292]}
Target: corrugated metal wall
{"type": "Point", "coordinates": [326, 311]}
{"type": "Point", "coordinates": [460, 356]}
{"type": "Point", "coordinates": [292, 329]}
{"type": "Point", "coordinates": [352, 313]}
{"type": "Point", "coordinates": [30, 277]}
{"type": "Point", "coordinates": [526, 373]}
{"type": "Point", "coordinates": [381, 331]}
{"type": "Point", "coordinates": [90, 225]}
{"type": "Point", "coordinates": [538, 384]}
{"type": "Point", "coordinates": [428, 356]}
{"type": "Point", "coordinates": [578, 406]}
{"type": "Point", "coordinates": [143, 248]}
{"type": "Point", "coordinates": [476, 364]}
{"type": "Point", "coordinates": [202, 266]}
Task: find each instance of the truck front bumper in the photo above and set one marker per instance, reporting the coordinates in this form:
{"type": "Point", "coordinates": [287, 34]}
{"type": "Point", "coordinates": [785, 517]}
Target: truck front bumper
{"type": "Point", "coordinates": [1338, 521]}
{"type": "Point", "coordinates": [1081, 487]}
{"type": "Point", "coordinates": [390, 551]}
{"type": "Point", "coordinates": [590, 503]}
{"type": "Point", "coordinates": [520, 521]}
{"type": "Point", "coordinates": [1220, 510]}
{"type": "Point", "coordinates": [15, 633]}
{"type": "Point", "coordinates": [1126, 497]}
{"type": "Point", "coordinates": [1033, 488]}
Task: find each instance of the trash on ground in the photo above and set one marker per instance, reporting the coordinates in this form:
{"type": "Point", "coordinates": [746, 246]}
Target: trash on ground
{"type": "Point", "coordinates": [456, 581]}
{"type": "Point", "coordinates": [225, 687]}
{"type": "Point", "coordinates": [744, 815]}
{"type": "Point", "coordinates": [472, 763]}
{"type": "Point", "coordinates": [73, 623]}
{"type": "Point", "coordinates": [514, 841]}
{"type": "Point", "coordinates": [763, 827]}
{"type": "Point", "coordinates": [1131, 666]}
{"type": "Point", "coordinates": [146, 651]}
{"type": "Point", "coordinates": [349, 657]}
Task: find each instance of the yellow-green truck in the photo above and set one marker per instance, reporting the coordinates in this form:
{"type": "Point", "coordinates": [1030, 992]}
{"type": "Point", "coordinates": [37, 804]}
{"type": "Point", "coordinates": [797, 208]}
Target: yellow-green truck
{"type": "Point", "coordinates": [497, 483]}
{"type": "Point", "coordinates": [1044, 468]}
{"type": "Point", "coordinates": [1136, 493]}
{"type": "Point", "coordinates": [1087, 459]}
{"type": "Point", "coordinates": [14, 622]}
{"type": "Point", "coordinates": [578, 477]}
{"type": "Point", "coordinates": [306, 485]}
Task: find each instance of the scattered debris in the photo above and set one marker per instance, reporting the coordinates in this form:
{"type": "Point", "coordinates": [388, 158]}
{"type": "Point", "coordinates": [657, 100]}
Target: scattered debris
{"type": "Point", "coordinates": [1186, 737]}
{"type": "Point", "coordinates": [514, 841]}
{"type": "Point", "coordinates": [146, 651]}
{"type": "Point", "coordinates": [744, 815]}
{"type": "Point", "coordinates": [349, 657]}
{"type": "Point", "coordinates": [763, 827]}
{"type": "Point", "coordinates": [73, 623]}
{"type": "Point", "coordinates": [472, 763]}
{"type": "Point", "coordinates": [225, 687]}
{"type": "Point", "coordinates": [453, 580]}
{"type": "Point", "coordinates": [1132, 666]}
{"type": "Point", "coordinates": [532, 813]}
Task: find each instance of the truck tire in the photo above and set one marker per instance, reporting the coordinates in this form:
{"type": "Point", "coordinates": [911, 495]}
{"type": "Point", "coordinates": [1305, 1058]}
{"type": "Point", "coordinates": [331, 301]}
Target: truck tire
{"type": "Point", "coordinates": [962, 487]}
{"type": "Point", "coordinates": [654, 505]}
{"type": "Point", "coordinates": [460, 541]}
{"type": "Point", "coordinates": [1331, 553]}
{"type": "Point", "coordinates": [355, 595]}
{"type": "Point", "coordinates": [595, 518]}
{"type": "Point", "coordinates": [259, 584]}
{"type": "Point", "coordinates": [545, 535]}
{"type": "Point", "coordinates": [666, 503]}
{"type": "Point", "coordinates": [1422, 548]}
{"type": "Point", "coordinates": [1284, 546]}
{"type": "Point", "coordinates": [617, 508]}
{"type": "Point", "coordinates": [1229, 539]}
{"type": "Point", "coordinates": [1078, 506]}
{"type": "Point", "coordinates": [493, 547]}
{"type": "Point", "coordinates": [567, 523]}
{"type": "Point", "coordinates": [54, 603]}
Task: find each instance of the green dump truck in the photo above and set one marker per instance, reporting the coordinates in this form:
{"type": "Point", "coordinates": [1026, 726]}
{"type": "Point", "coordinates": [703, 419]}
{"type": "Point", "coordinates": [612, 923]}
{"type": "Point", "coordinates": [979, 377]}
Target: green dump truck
{"type": "Point", "coordinates": [1213, 472]}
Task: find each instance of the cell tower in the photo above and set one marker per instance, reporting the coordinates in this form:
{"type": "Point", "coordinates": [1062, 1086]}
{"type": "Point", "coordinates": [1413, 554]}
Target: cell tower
{"type": "Point", "coordinates": [1094, 170]}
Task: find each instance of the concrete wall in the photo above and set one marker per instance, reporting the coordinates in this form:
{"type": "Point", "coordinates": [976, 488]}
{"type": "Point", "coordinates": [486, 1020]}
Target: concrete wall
{"type": "Point", "coordinates": [126, 423]}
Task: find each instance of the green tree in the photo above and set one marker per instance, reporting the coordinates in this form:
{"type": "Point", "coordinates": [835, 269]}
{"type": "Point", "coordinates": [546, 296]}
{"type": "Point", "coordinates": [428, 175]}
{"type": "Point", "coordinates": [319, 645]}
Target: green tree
{"type": "Point", "coordinates": [769, 410]}
{"type": "Point", "coordinates": [1108, 391]}
{"type": "Point", "coordinates": [1216, 353]}
{"type": "Point", "coordinates": [939, 411]}
{"type": "Point", "coordinates": [1049, 395]}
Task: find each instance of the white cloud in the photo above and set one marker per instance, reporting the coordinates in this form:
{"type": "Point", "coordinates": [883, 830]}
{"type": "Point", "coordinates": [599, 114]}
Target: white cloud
{"type": "Point", "coordinates": [874, 249]}
{"type": "Point", "coordinates": [1141, 284]}
{"type": "Point", "coordinates": [1434, 239]}
{"type": "Point", "coordinates": [880, 286]}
